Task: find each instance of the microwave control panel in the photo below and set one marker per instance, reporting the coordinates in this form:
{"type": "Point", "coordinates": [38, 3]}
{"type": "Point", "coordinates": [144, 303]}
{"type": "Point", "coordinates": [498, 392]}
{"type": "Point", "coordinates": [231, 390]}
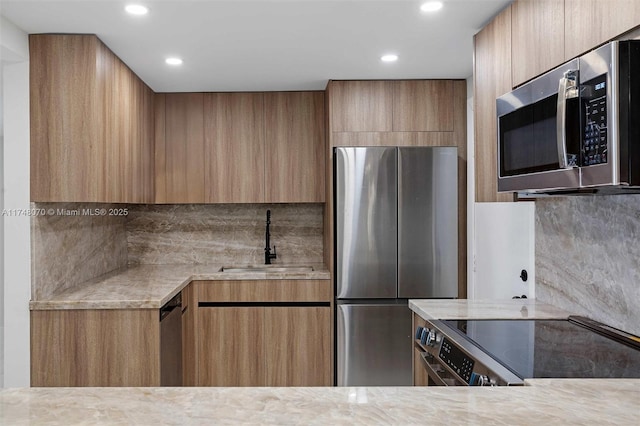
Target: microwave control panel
{"type": "Point", "coordinates": [594, 118]}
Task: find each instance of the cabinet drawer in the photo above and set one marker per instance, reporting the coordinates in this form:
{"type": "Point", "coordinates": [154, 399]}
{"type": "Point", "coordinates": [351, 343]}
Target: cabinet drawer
{"type": "Point", "coordinates": [263, 291]}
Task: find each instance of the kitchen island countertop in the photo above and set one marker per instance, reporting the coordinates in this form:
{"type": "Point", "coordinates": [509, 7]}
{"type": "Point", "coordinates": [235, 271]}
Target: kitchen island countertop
{"type": "Point", "coordinates": [553, 402]}
{"type": "Point", "coordinates": [151, 286]}
{"type": "Point", "coordinates": [462, 309]}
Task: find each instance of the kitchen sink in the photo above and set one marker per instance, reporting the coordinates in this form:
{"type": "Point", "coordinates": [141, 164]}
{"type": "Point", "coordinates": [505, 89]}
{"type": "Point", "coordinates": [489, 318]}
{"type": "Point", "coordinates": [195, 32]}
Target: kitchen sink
{"type": "Point", "coordinates": [267, 268]}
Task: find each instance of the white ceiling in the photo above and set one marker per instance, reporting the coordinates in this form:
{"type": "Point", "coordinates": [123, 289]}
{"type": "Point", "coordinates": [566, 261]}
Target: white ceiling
{"type": "Point", "coordinates": [245, 45]}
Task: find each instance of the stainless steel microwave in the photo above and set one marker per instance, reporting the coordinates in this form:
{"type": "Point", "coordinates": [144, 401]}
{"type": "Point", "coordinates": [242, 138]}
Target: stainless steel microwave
{"type": "Point", "coordinates": [575, 128]}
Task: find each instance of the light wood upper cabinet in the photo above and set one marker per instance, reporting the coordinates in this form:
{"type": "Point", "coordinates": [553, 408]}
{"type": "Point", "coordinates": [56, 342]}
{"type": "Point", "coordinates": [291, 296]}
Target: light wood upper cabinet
{"type": "Point", "coordinates": [492, 78]}
{"type": "Point", "coordinates": [362, 111]}
{"type": "Point", "coordinates": [295, 147]}
{"type": "Point", "coordinates": [361, 106]}
{"type": "Point", "coordinates": [89, 139]}
{"type": "Point", "coordinates": [537, 37]}
{"type": "Point", "coordinates": [423, 106]}
{"type": "Point", "coordinates": [234, 147]}
{"type": "Point", "coordinates": [181, 150]}
{"type": "Point", "coordinates": [65, 117]}
{"type": "Point", "coordinates": [589, 23]}
{"type": "Point", "coordinates": [240, 147]}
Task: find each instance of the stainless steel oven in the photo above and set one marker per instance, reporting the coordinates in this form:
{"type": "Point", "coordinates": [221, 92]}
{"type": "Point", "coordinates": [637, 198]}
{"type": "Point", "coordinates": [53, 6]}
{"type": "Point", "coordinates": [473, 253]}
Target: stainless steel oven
{"type": "Point", "coordinates": [575, 127]}
{"type": "Point", "coordinates": [507, 352]}
{"type": "Point", "coordinates": [451, 360]}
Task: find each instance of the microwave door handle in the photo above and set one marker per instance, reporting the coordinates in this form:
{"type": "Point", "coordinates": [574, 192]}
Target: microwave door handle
{"type": "Point", "coordinates": [567, 89]}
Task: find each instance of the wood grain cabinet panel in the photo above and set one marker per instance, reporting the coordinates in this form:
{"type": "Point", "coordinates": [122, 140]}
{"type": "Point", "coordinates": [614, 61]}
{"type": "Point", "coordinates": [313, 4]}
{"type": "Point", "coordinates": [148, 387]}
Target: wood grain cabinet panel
{"type": "Point", "coordinates": [146, 187]}
{"type": "Point", "coordinates": [297, 349]}
{"type": "Point", "coordinates": [589, 23]}
{"type": "Point", "coordinates": [423, 106]}
{"type": "Point", "coordinates": [492, 78]}
{"type": "Point", "coordinates": [65, 114]}
{"type": "Point", "coordinates": [256, 333]}
{"type": "Point", "coordinates": [230, 346]}
{"type": "Point", "coordinates": [87, 137]}
{"type": "Point", "coordinates": [234, 141]}
{"type": "Point", "coordinates": [361, 106]}
{"type": "Point", "coordinates": [295, 147]}
{"type": "Point", "coordinates": [189, 327]}
{"type": "Point", "coordinates": [184, 151]}
{"type": "Point", "coordinates": [95, 348]}
{"type": "Point", "coordinates": [537, 37]}
{"type": "Point", "coordinates": [263, 291]}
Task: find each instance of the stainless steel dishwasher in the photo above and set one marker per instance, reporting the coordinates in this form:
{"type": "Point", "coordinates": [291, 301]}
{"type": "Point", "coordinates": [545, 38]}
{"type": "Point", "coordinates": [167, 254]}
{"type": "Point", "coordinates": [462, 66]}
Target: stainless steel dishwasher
{"type": "Point", "coordinates": [171, 342]}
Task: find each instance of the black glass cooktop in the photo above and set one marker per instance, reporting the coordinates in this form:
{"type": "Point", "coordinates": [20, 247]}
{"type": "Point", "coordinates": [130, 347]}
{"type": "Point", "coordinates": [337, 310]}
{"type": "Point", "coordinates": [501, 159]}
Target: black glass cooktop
{"type": "Point", "coordinates": [551, 348]}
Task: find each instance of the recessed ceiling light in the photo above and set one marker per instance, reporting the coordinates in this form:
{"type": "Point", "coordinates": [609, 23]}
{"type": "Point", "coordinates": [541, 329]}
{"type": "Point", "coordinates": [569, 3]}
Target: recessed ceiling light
{"type": "Point", "coordinates": [173, 61]}
{"type": "Point", "coordinates": [389, 58]}
{"type": "Point", "coordinates": [431, 6]}
{"type": "Point", "coordinates": [136, 9]}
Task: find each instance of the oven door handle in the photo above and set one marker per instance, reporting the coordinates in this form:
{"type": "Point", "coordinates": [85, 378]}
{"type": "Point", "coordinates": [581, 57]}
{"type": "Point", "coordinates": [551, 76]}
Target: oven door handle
{"type": "Point", "coordinates": [567, 89]}
{"type": "Point", "coordinates": [431, 372]}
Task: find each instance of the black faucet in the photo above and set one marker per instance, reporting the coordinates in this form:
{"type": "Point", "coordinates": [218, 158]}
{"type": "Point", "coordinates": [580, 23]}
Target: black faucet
{"type": "Point", "coordinates": [267, 250]}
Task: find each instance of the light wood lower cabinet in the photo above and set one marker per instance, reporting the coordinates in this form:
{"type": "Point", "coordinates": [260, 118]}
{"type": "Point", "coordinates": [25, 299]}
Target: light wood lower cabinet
{"type": "Point", "coordinates": [297, 346]}
{"type": "Point", "coordinates": [230, 346]}
{"type": "Point", "coordinates": [95, 347]}
{"type": "Point", "coordinates": [263, 333]}
{"type": "Point", "coordinates": [234, 333]}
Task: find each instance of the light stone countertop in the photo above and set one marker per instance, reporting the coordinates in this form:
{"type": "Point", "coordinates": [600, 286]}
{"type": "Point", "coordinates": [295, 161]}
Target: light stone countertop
{"type": "Point", "coordinates": [553, 402]}
{"type": "Point", "coordinates": [485, 309]}
{"type": "Point", "coordinates": [151, 286]}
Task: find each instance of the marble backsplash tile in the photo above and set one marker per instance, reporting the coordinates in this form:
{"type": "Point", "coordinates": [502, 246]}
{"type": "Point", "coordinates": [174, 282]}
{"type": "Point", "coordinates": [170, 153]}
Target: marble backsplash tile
{"type": "Point", "coordinates": [223, 233]}
{"type": "Point", "coordinates": [70, 246]}
{"type": "Point", "coordinates": [588, 257]}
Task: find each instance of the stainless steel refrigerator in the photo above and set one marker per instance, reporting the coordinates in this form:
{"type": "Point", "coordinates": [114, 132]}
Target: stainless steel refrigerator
{"type": "Point", "coordinates": [396, 238]}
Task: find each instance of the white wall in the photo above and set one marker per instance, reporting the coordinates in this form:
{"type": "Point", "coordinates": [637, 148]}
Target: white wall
{"type": "Point", "coordinates": [15, 264]}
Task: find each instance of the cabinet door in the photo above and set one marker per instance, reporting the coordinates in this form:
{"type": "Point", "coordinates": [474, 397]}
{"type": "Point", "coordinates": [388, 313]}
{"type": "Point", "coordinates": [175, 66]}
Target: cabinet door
{"type": "Point", "coordinates": [124, 127]}
{"type": "Point", "coordinates": [66, 152]}
{"type": "Point", "coordinates": [589, 23]}
{"type": "Point", "coordinates": [361, 106]}
{"type": "Point", "coordinates": [423, 106]}
{"type": "Point", "coordinates": [295, 147]}
{"type": "Point", "coordinates": [537, 34]}
{"type": "Point", "coordinates": [492, 78]}
{"type": "Point", "coordinates": [297, 346]}
{"type": "Point", "coordinates": [234, 147]}
{"type": "Point", "coordinates": [146, 185]}
{"type": "Point", "coordinates": [184, 153]}
{"type": "Point", "coordinates": [230, 346]}
{"type": "Point", "coordinates": [95, 347]}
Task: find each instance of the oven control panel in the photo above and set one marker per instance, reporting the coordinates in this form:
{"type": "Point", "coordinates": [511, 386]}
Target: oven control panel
{"type": "Point", "coordinates": [457, 360]}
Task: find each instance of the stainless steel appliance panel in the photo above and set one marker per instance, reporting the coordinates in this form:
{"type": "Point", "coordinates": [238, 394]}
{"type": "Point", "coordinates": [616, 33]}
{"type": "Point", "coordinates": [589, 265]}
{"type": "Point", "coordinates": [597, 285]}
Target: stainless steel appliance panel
{"type": "Point", "coordinates": [171, 342]}
{"type": "Point", "coordinates": [366, 222]}
{"type": "Point", "coordinates": [374, 344]}
{"type": "Point", "coordinates": [528, 147]}
{"type": "Point", "coordinates": [603, 62]}
{"type": "Point", "coordinates": [427, 222]}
